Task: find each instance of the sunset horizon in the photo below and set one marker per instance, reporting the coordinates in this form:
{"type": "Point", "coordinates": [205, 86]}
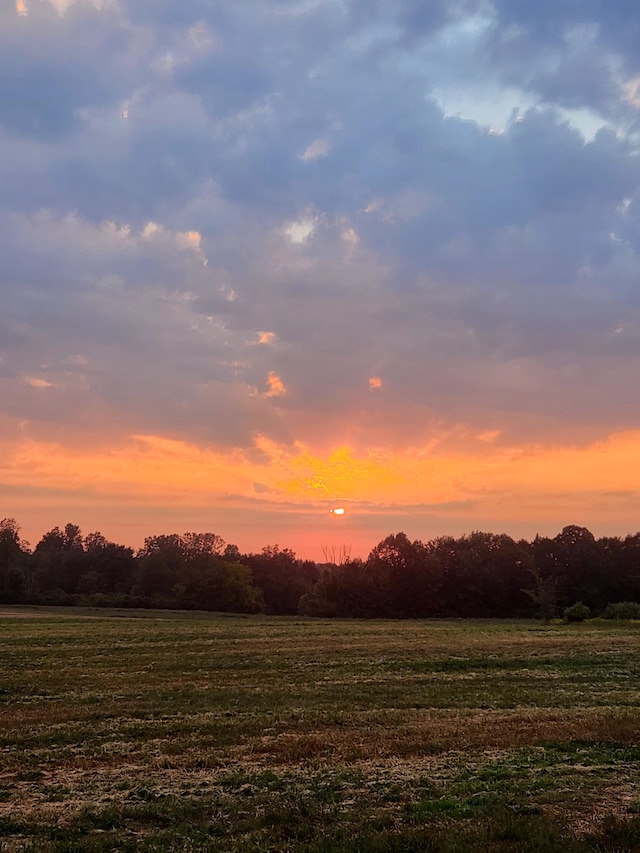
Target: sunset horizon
{"type": "Point", "coordinates": [259, 262]}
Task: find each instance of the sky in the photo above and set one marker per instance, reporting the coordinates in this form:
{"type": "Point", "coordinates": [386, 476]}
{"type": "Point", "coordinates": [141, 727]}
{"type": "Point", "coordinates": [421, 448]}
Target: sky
{"type": "Point", "coordinates": [261, 260]}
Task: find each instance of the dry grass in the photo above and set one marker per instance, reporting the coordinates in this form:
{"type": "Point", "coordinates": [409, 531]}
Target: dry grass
{"type": "Point", "coordinates": [423, 733]}
{"type": "Point", "coordinates": [150, 729]}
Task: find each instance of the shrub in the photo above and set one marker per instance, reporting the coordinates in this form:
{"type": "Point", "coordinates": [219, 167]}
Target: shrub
{"type": "Point", "coordinates": [622, 610]}
{"type": "Point", "coordinates": [317, 603]}
{"type": "Point", "coordinates": [578, 612]}
{"type": "Point", "coordinates": [58, 597]}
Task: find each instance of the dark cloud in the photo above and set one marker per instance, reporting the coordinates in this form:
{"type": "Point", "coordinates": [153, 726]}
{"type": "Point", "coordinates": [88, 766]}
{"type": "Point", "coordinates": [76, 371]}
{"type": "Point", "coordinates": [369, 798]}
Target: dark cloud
{"type": "Point", "coordinates": [180, 179]}
{"type": "Point", "coordinates": [569, 53]}
{"type": "Point", "coordinates": [52, 67]}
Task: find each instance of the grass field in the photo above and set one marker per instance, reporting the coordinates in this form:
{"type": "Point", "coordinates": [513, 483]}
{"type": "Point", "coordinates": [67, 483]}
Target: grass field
{"type": "Point", "coordinates": [201, 732]}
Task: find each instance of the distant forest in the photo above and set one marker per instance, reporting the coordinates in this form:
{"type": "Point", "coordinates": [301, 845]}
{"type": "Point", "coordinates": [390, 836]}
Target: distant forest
{"type": "Point", "coordinates": [478, 575]}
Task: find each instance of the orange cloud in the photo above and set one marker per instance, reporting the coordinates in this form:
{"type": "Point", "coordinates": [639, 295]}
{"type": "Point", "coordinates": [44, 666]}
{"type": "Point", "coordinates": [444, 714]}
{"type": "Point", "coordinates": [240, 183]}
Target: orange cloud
{"type": "Point", "coordinates": [141, 467]}
{"type": "Point", "coordinates": [375, 382]}
{"type": "Point", "coordinates": [596, 484]}
{"type": "Point", "coordinates": [144, 465]}
{"type": "Point", "coordinates": [189, 239]}
{"type": "Point", "coordinates": [276, 386]}
{"type": "Point", "coordinates": [489, 435]}
{"type": "Point", "coordinates": [35, 382]}
{"type": "Point", "coordinates": [508, 483]}
{"type": "Point", "coordinates": [266, 337]}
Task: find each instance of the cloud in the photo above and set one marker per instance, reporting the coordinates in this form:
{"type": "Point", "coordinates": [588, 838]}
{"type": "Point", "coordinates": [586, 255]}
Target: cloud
{"type": "Point", "coordinates": [266, 337]}
{"type": "Point", "coordinates": [369, 225]}
{"type": "Point", "coordinates": [299, 232]}
{"type": "Point", "coordinates": [36, 382]}
{"type": "Point", "coordinates": [276, 385]}
{"type": "Point", "coordinates": [318, 148]}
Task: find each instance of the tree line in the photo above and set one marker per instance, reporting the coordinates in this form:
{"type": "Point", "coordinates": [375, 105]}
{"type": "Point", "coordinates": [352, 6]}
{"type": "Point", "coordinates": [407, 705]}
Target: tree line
{"type": "Point", "coordinates": [476, 575]}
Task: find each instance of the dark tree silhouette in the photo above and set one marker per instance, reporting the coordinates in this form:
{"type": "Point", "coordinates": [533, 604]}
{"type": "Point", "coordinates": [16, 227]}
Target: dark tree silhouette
{"type": "Point", "coordinates": [282, 578]}
{"type": "Point", "coordinates": [13, 559]}
{"type": "Point", "coordinates": [478, 575]}
{"type": "Point", "coordinates": [406, 575]}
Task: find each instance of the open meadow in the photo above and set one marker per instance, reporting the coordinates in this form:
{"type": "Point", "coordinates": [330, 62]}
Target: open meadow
{"type": "Point", "coordinates": [173, 731]}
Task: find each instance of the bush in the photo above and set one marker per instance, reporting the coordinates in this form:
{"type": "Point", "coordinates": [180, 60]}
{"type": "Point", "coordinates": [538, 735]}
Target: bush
{"type": "Point", "coordinates": [58, 597]}
{"type": "Point", "coordinates": [622, 610]}
{"type": "Point", "coordinates": [317, 603]}
{"type": "Point", "coordinates": [578, 612]}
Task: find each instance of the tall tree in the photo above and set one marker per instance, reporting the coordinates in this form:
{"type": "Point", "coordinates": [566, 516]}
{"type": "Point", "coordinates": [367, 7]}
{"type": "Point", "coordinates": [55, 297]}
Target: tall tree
{"type": "Point", "coordinates": [13, 557]}
{"type": "Point", "coordinates": [407, 577]}
{"type": "Point", "coordinates": [160, 562]}
{"type": "Point", "coordinates": [282, 578]}
{"type": "Point", "coordinates": [60, 559]}
{"type": "Point", "coordinates": [579, 558]}
{"type": "Point", "coordinates": [111, 566]}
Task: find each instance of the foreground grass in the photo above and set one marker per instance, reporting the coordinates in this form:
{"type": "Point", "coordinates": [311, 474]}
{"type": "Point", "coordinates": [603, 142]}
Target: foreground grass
{"type": "Point", "coordinates": [194, 732]}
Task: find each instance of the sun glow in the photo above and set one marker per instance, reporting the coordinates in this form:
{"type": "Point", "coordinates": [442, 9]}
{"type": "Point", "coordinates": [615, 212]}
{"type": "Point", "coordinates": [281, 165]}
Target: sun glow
{"type": "Point", "coordinates": [152, 478]}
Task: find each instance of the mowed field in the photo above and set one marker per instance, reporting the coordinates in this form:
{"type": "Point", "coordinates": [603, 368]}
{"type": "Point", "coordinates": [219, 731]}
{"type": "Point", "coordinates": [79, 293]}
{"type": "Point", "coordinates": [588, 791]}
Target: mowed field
{"type": "Point", "coordinates": [188, 732]}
